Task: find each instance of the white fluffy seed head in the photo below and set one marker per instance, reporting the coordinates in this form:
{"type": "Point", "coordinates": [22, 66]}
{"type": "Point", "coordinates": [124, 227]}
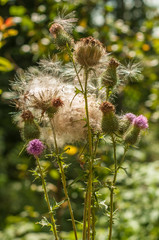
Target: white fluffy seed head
{"type": "Point", "coordinates": [70, 123]}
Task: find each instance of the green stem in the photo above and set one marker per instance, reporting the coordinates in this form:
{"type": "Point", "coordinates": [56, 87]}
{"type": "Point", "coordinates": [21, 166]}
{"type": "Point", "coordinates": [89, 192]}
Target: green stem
{"type": "Point", "coordinates": [47, 199]}
{"type": "Point", "coordinates": [113, 185]}
{"type": "Point", "coordinates": [74, 65]}
{"type": "Point", "coordinates": [93, 204]}
{"type": "Point", "coordinates": [63, 178]}
{"type": "Point", "coordinates": [112, 190]}
{"type": "Point", "coordinates": [89, 197]}
{"type": "Point", "coordinates": [107, 93]}
{"type": "Point", "coordinates": [123, 158]}
{"type": "Point", "coordinates": [85, 215]}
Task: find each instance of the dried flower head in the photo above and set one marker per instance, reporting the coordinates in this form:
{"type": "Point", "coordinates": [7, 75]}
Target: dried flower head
{"type": "Point", "coordinates": [27, 115]}
{"type": "Point", "coordinates": [107, 107]}
{"type": "Point", "coordinates": [44, 100]}
{"type": "Point", "coordinates": [113, 63]}
{"type": "Point", "coordinates": [57, 102]}
{"type": "Point", "coordinates": [35, 147]}
{"type": "Point", "coordinates": [140, 122]}
{"type": "Point", "coordinates": [55, 29]}
{"type": "Point", "coordinates": [88, 51]}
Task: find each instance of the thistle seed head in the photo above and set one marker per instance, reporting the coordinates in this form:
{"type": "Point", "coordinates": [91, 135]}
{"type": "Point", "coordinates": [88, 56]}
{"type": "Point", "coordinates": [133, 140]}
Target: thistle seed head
{"type": "Point", "coordinates": [88, 51]}
{"type": "Point", "coordinates": [42, 100]}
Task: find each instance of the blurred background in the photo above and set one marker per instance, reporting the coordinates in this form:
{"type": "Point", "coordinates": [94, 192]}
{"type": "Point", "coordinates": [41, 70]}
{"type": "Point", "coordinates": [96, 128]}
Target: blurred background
{"type": "Point", "coordinates": [128, 29]}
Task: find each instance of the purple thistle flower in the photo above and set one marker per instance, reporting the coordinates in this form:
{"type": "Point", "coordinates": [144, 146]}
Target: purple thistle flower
{"type": "Point", "coordinates": [35, 147]}
{"type": "Point", "coordinates": [130, 116]}
{"type": "Point", "coordinates": [140, 122]}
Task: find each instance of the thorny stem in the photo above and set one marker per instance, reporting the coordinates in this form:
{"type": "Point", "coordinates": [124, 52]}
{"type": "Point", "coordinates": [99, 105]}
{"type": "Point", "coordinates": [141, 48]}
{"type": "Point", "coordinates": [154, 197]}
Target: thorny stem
{"type": "Point", "coordinates": [89, 186]}
{"type": "Point", "coordinates": [63, 178]}
{"type": "Point", "coordinates": [116, 168]}
{"type": "Point", "coordinates": [47, 199]}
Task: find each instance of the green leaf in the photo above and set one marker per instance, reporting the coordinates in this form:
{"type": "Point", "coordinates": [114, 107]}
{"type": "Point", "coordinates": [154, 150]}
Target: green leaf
{"type": "Point", "coordinates": [44, 222]}
{"type": "Point", "coordinates": [5, 65]}
{"type": "Point", "coordinates": [17, 10]}
{"type": "Point", "coordinates": [57, 205]}
{"type": "Point", "coordinates": [3, 2]}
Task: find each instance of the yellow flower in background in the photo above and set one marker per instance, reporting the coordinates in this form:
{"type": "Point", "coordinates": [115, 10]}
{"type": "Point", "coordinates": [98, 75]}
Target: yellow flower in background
{"type": "Point", "coordinates": [71, 150]}
{"type": "Point", "coordinates": [146, 47]}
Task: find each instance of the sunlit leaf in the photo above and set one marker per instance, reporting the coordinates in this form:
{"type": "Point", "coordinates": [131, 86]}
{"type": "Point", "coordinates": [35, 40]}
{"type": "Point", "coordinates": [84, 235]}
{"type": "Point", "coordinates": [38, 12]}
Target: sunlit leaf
{"type": "Point", "coordinates": [5, 65]}
{"type": "Point", "coordinates": [10, 33]}
{"type": "Point", "coordinates": [17, 10]}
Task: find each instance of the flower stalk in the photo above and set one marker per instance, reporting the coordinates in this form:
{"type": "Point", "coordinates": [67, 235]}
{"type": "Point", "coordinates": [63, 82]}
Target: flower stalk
{"type": "Point", "coordinates": [47, 199]}
{"type": "Point", "coordinates": [63, 178]}
{"type": "Point", "coordinates": [112, 188]}
{"type": "Point", "coordinates": [89, 199]}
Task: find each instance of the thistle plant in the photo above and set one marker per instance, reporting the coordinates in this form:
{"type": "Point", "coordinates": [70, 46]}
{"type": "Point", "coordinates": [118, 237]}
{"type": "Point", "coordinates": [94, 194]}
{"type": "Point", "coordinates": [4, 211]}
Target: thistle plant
{"type": "Point", "coordinates": [60, 104]}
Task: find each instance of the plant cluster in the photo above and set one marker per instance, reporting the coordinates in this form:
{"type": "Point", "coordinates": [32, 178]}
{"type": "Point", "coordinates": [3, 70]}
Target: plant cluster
{"type": "Point", "coordinates": [61, 104]}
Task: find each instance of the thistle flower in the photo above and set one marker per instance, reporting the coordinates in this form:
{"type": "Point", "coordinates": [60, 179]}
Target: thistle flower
{"type": "Point", "coordinates": [110, 122]}
{"type": "Point", "coordinates": [35, 147]}
{"type": "Point", "coordinates": [130, 117]}
{"type": "Point", "coordinates": [110, 77]}
{"type": "Point", "coordinates": [125, 122]}
{"type": "Point", "coordinates": [88, 51]}
{"type": "Point", "coordinates": [139, 123]}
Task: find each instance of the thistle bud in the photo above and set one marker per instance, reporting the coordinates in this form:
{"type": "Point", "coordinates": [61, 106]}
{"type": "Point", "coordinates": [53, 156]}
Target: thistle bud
{"type": "Point", "coordinates": [60, 36]}
{"type": "Point", "coordinates": [110, 77]}
{"type": "Point", "coordinates": [125, 122]}
{"type": "Point", "coordinates": [27, 116]}
{"type": "Point", "coordinates": [88, 51]}
{"type": "Point", "coordinates": [109, 120]}
{"type": "Point", "coordinates": [55, 104]}
{"type": "Point", "coordinates": [31, 129]}
{"type": "Point", "coordinates": [139, 123]}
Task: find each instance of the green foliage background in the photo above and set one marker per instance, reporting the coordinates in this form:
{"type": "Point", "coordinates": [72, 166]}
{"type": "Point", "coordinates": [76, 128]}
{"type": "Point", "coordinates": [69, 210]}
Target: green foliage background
{"type": "Point", "coordinates": [128, 29]}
